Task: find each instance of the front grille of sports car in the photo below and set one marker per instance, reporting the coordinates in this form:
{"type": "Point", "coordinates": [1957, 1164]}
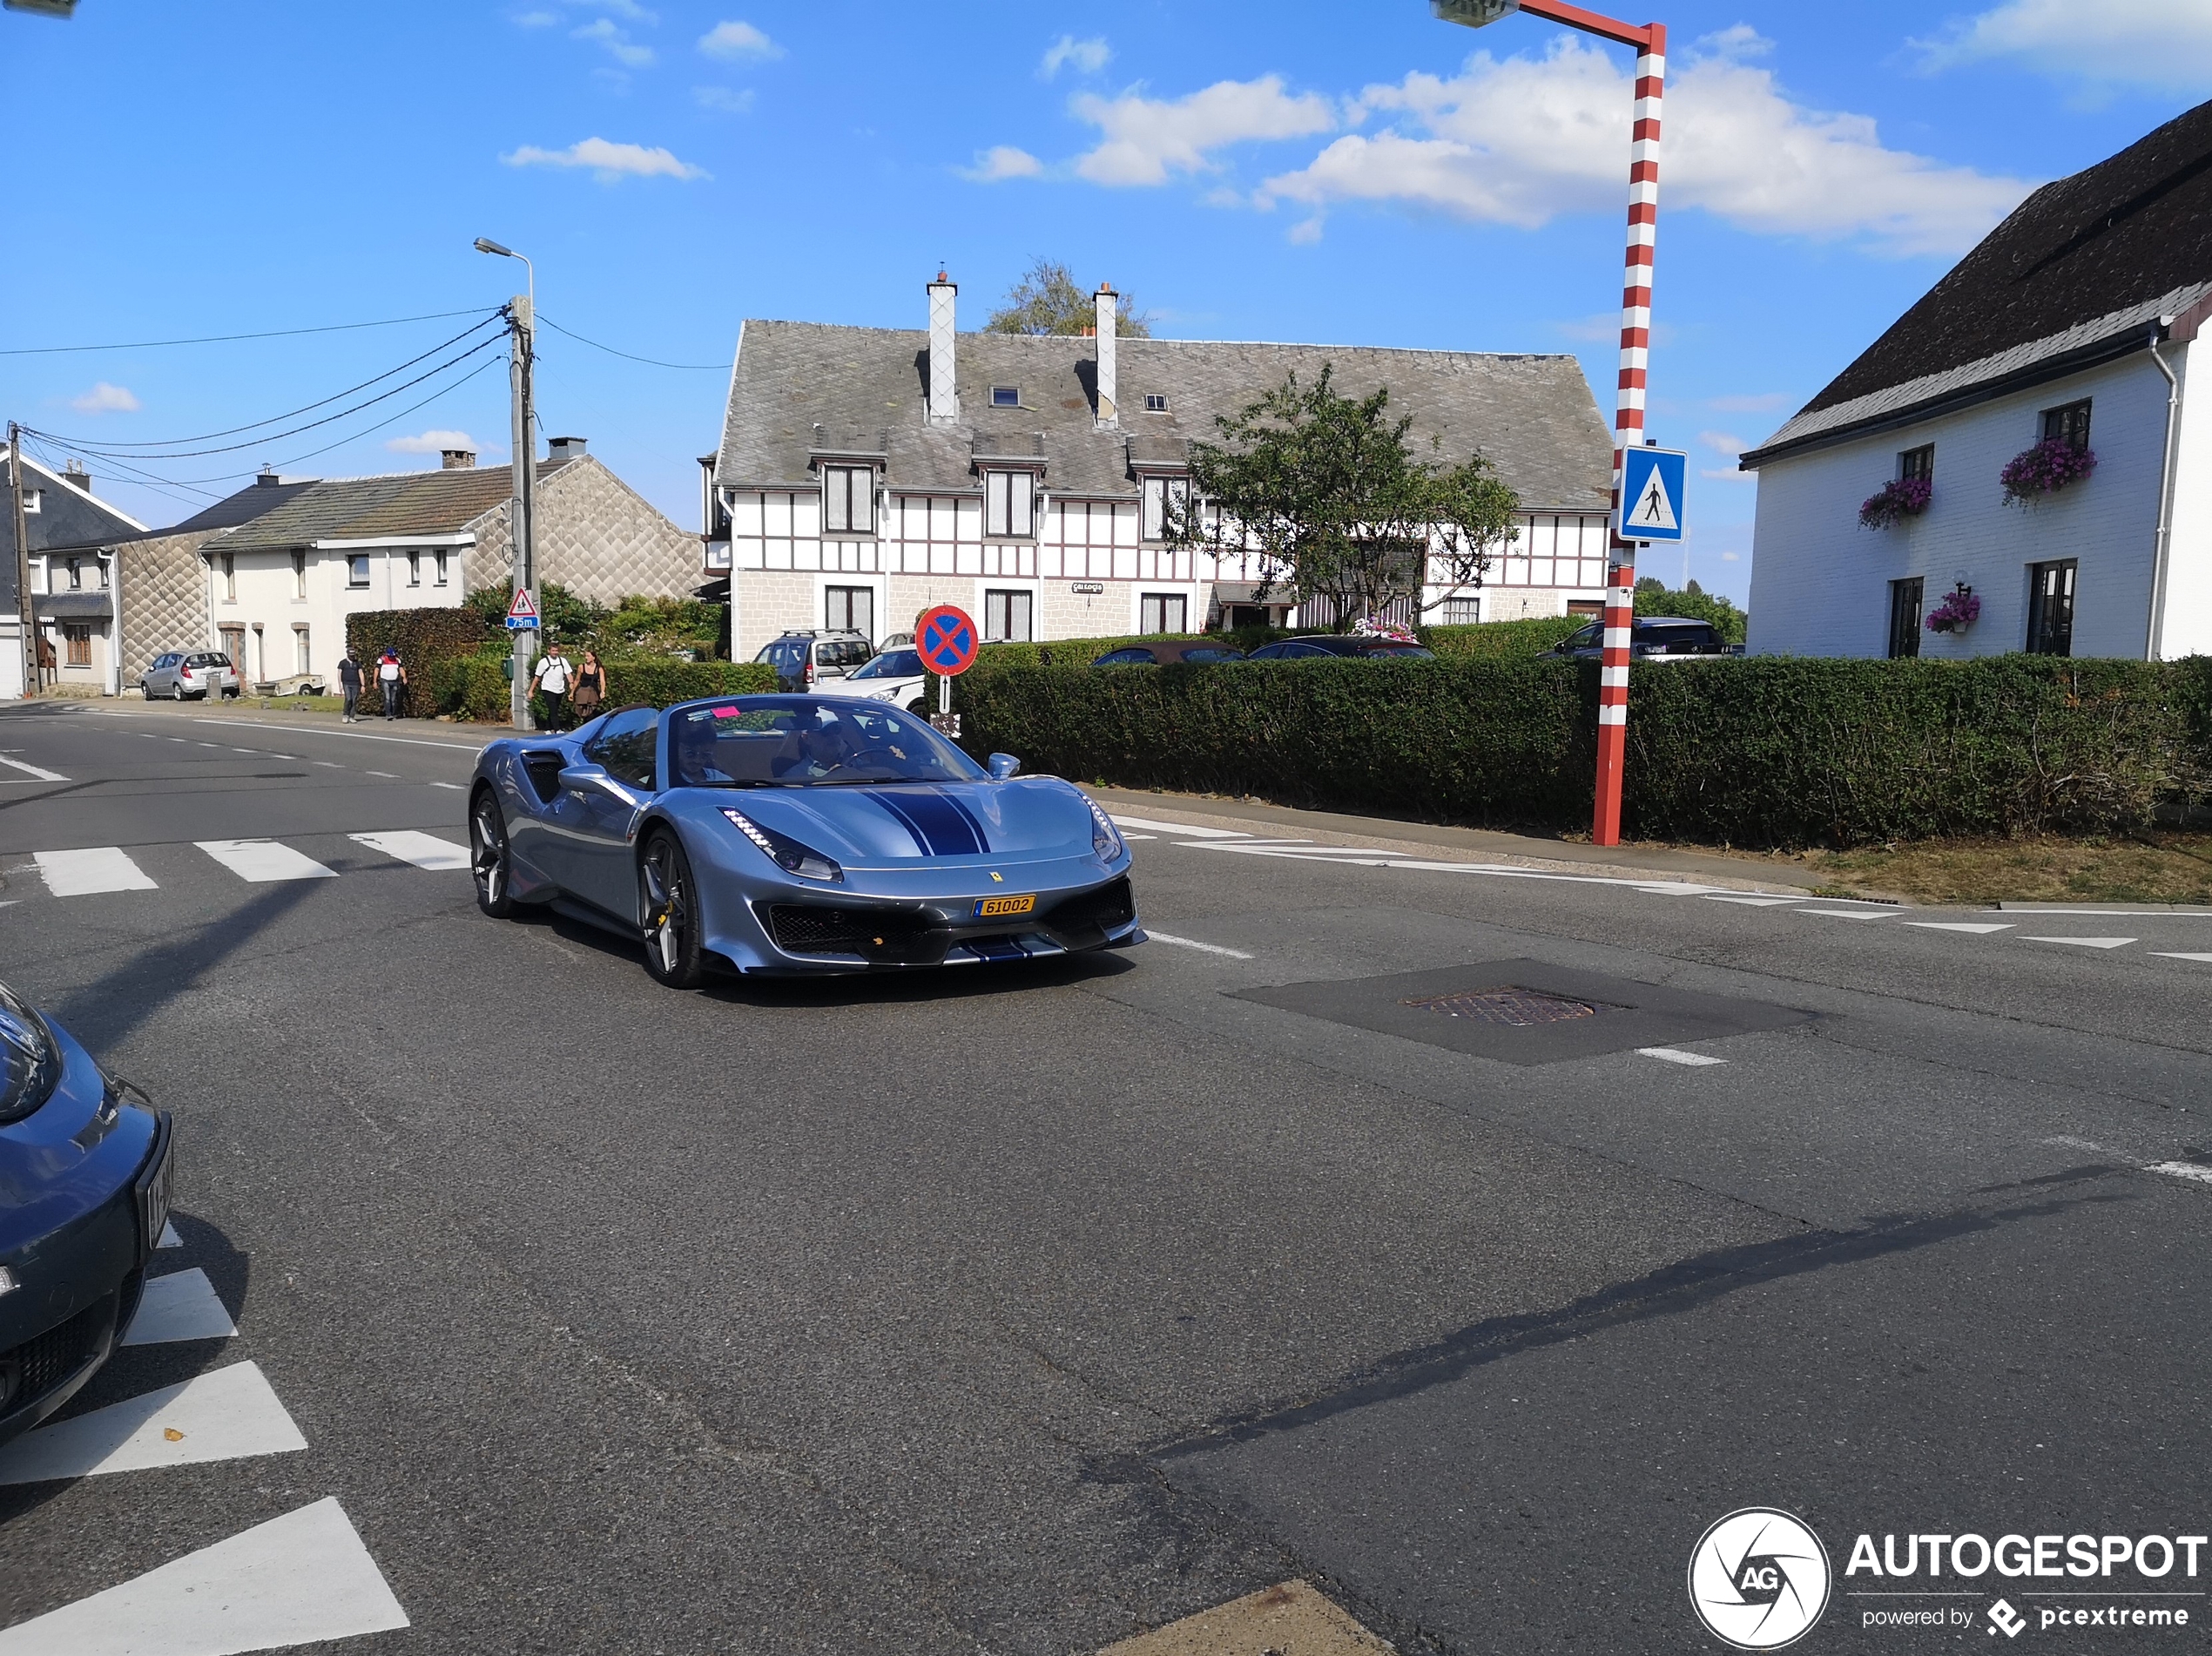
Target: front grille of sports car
{"type": "Point", "coordinates": [1106, 909]}
{"type": "Point", "coordinates": [889, 934]}
{"type": "Point", "coordinates": [35, 1367]}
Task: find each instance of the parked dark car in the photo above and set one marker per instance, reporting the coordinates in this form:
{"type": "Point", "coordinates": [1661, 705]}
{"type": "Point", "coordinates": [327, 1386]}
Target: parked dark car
{"type": "Point", "coordinates": [1338, 644]}
{"type": "Point", "coordinates": [1654, 638]}
{"type": "Point", "coordinates": [1199, 651]}
{"type": "Point", "coordinates": [83, 1199]}
{"type": "Point", "coordinates": [803, 657]}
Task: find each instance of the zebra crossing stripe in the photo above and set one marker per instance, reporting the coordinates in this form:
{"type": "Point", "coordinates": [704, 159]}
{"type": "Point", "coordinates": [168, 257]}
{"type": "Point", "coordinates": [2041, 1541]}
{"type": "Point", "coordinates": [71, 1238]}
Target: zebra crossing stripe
{"type": "Point", "coordinates": [80, 874]}
{"type": "Point", "coordinates": [261, 862]}
{"type": "Point", "coordinates": [181, 1306]}
{"type": "Point", "coordinates": [423, 850]}
{"type": "Point", "coordinates": [32, 770]}
{"type": "Point", "coordinates": [226, 1416]}
{"type": "Point", "coordinates": [299, 1579]}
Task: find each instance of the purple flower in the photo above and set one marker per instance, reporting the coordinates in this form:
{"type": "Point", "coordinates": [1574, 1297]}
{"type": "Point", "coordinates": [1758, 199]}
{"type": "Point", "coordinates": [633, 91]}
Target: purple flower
{"type": "Point", "coordinates": [1906, 497]}
{"type": "Point", "coordinates": [2045, 470]}
{"type": "Point", "coordinates": [1959, 609]}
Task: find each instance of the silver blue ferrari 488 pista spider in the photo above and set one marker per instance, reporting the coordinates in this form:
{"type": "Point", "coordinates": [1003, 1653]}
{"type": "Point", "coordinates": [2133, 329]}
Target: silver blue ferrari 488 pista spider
{"type": "Point", "coordinates": [795, 835]}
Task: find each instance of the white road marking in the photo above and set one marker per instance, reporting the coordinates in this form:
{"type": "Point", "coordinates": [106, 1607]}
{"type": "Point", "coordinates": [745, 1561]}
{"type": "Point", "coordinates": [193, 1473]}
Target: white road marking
{"type": "Point", "coordinates": [181, 1306]}
{"type": "Point", "coordinates": [2117, 914]}
{"type": "Point", "coordinates": [456, 786]}
{"type": "Point", "coordinates": [2183, 1170]}
{"type": "Point", "coordinates": [1674, 1055]}
{"type": "Point", "coordinates": [424, 850]}
{"type": "Point", "coordinates": [261, 862]}
{"type": "Point", "coordinates": [1753, 903]}
{"type": "Point", "coordinates": [245, 750]}
{"type": "Point", "coordinates": [1178, 830]}
{"type": "Point", "coordinates": [1852, 914]}
{"type": "Point", "coordinates": [299, 1579]}
{"type": "Point", "coordinates": [330, 764]}
{"type": "Point", "coordinates": [2162, 955]}
{"type": "Point", "coordinates": [1971, 927]}
{"type": "Point", "coordinates": [211, 744]}
{"type": "Point", "coordinates": [79, 873]}
{"type": "Point", "coordinates": [2067, 1141]}
{"type": "Point", "coordinates": [299, 730]}
{"type": "Point", "coordinates": [169, 1237]}
{"type": "Point", "coordinates": [1188, 943]}
{"type": "Point", "coordinates": [1495, 870]}
{"type": "Point", "coordinates": [33, 771]}
{"type": "Point", "coordinates": [389, 776]}
{"type": "Point", "coordinates": [2084, 943]}
{"type": "Point", "coordinates": [226, 1416]}
{"type": "Point", "coordinates": [1132, 838]}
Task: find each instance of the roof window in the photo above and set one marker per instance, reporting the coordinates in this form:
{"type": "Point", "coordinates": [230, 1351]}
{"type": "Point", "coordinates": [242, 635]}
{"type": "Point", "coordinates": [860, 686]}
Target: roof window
{"type": "Point", "coordinates": [1005, 396]}
{"type": "Point", "coordinates": [1156, 402]}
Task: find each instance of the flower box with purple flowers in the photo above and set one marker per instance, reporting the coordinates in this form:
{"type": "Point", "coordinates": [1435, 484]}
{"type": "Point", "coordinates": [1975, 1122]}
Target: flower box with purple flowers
{"type": "Point", "coordinates": [1900, 499]}
{"type": "Point", "coordinates": [1958, 611]}
{"type": "Point", "coordinates": [2046, 469]}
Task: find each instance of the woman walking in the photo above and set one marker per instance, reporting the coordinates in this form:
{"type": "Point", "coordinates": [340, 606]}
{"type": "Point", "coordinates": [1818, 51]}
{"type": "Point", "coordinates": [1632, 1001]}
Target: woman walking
{"type": "Point", "coordinates": [590, 687]}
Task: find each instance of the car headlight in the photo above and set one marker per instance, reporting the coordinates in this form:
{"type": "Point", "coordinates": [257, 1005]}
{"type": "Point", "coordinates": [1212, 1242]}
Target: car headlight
{"type": "Point", "coordinates": [891, 695]}
{"type": "Point", "coordinates": [1105, 838]}
{"type": "Point", "coordinates": [787, 853]}
{"type": "Point", "coordinates": [31, 1064]}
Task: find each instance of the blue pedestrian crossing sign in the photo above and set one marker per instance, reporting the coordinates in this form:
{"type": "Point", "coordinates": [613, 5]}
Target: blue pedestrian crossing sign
{"type": "Point", "coordinates": [1651, 494]}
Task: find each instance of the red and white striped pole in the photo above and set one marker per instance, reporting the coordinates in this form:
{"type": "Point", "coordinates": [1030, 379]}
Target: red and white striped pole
{"type": "Point", "coordinates": [1628, 425]}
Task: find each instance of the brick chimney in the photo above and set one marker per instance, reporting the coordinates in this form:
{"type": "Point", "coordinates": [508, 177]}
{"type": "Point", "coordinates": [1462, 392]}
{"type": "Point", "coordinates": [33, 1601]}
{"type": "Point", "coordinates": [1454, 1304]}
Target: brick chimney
{"type": "Point", "coordinates": [944, 389]}
{"type": "Point", "coordinates": [1109, 328]}
{"type": "Point", "coordinates": [266, 478]}
{"type": "Point", "coordinates": [458, 459]}
{"type": "Point", "coordinates": [74, 472]}
{"type": "Point", "coordinates": [564, 448]}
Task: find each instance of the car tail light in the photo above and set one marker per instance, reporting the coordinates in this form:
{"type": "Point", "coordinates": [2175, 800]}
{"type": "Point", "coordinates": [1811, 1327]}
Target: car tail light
{"type": "Point", "coordinates": [810, 675]}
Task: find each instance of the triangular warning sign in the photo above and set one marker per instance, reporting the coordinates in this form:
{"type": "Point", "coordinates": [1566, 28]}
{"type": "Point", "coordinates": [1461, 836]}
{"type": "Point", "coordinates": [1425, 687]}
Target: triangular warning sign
{"type": "Point", "coordinates": [522, 609]}
{"type": "Point", "coordinates": [1653, 510]}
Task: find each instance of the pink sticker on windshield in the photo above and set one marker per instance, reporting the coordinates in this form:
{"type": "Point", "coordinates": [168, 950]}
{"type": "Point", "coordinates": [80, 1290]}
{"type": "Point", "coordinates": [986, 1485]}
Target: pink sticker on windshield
{"type": "Point", "coordinates": [729, 712]}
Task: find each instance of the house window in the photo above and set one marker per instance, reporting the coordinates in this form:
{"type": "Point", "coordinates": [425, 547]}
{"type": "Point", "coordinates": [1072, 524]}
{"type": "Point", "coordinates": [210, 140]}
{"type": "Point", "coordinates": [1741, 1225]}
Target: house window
{"type": "Point", "coordinates": [848, 500]}
{"type": "Point", "coordinates": [2050, 606]}
{"type": "Point", "coordinates": [357, 569]}
{"type": "Point", "coordinates": [1156, 402]}
{"type": "Point", "coordinates": [79, 636]}
{"type": "Point", "coordinates": [1163, 612]}
{"type": "Point", "coordinates": [1906, 598]}
{"type": "Point", "coordinates": [1918, 464]}
{"type": "Point", "coordinates": [2069, 425]}
{"type": "Point", "coordinates": [1167, 503]}
{"type": "Point", "coordinates": [1006, 617]}
{"type": "Point", "coordinates": [32, 500]}
{"type": "Point", "coordinates": [849, 609]}
{"type": "Point", "coordinates": [415, 568]}
{"type": "Point", "coordinates": [1462, 612]}
{"type": "Point", "coordinates": [75, 575]}
{"type": "Point", "coordinates": [1009, 502]}
{"type": "Point", "coordinates": [1005, 396]}
{"type": "Point", "coordinates": [230, 576]}
{"type": "Point", "coordinates": [302, 661]}
{"type": "Point", "coordinates": [438, 568]}
{"type": "Point", "coordinates": [299, 575]}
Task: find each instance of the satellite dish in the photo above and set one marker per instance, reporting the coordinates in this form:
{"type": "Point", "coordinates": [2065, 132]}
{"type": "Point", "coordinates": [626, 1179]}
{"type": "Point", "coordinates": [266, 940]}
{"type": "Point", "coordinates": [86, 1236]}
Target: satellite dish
{"type": "Point", "coordinates": [1474, 14]}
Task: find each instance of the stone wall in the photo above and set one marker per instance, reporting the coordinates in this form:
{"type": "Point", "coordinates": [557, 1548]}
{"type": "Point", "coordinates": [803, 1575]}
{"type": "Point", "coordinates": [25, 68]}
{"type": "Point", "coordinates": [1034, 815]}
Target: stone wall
{"type": "Point", "coordinates": [596, 536]}
{"type": "Point", "coordinates": [162, 594]}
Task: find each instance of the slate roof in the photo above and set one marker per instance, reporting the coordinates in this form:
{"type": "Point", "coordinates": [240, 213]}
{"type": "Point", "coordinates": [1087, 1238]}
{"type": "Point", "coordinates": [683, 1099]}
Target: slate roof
{"type": "Point", "coordinates": [233, 510]}
{"type": "Point", "coordinates": [2083, 268]}
{"type": "Point", "coordinates": [399, 505]}
{"type": "Point", "coordinates": [801, 389]}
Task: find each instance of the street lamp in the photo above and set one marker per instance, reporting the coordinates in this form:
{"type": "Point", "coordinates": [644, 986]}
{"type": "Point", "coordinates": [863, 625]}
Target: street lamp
{"type": "Point", "coordinates": [523, 509]}
{"type": "Point", "coordinates": [1650, 42]}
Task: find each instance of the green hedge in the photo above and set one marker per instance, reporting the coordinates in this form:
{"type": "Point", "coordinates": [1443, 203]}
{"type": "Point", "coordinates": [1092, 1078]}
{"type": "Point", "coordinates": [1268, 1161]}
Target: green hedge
{"type": "Point", "coordinates": [1766, 751]}
{"type": "Point", "coordinates": [1504, 640]}
{"type": "Point", "coordinates": [476, 687]}
{"type": "Point", "coordinates": [428, 642]}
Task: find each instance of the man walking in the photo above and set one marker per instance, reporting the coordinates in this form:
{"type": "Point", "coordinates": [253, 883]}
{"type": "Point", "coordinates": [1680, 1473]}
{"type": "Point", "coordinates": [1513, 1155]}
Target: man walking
{"type": "Point", "coordinates": [554, 676]}
{"type": "Point", "coordinates": [391, 679]}
{"type": "Point", "coordinates": [349, 686]}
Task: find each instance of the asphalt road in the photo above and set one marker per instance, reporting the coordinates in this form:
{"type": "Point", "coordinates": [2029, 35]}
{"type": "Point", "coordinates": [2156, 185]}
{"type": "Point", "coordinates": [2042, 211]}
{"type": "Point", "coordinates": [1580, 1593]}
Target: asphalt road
{"type": "Point", "coordinates": [1025, 1309]}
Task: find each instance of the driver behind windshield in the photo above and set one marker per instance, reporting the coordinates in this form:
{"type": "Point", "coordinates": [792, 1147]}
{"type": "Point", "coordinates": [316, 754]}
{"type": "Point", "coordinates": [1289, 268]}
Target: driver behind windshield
{"type": "Point", "coordinates": [822, 748]}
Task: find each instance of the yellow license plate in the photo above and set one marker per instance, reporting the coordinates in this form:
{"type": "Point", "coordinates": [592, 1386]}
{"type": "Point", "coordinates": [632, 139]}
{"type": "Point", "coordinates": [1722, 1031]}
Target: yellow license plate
{"type": "Point", "coordinates": [999, 908]}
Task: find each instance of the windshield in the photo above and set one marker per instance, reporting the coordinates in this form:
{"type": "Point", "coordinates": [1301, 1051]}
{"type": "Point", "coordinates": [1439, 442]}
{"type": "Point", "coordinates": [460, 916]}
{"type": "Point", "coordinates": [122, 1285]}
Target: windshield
{"type": "Point", "coordinates": [29, 1064]}
{"type": "Point", "coordinates": [788, 654]}
{"type": "Point", "coordinates": [211, 661]}
{"type": "Point", "coordinates": [893, 664]}
{"type": "Point", "coordinates": [1697, 634]}
{"type": "Point", "coordinates": [795, 741]}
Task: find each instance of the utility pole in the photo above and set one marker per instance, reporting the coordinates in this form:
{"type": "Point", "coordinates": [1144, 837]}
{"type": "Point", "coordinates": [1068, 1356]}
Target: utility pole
{"type": "Point", "coordinates": [523, 508]}
{"type": "Point", "coordinates": [31, 678]}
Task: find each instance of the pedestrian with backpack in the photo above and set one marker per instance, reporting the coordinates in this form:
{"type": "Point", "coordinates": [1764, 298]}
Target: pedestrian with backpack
{"type": "Point", "coordinates": [391, 679]}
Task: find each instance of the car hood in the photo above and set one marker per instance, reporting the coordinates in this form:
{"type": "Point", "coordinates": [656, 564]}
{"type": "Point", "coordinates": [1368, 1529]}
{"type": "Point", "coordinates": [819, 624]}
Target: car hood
{"type": "Point", "coordinates": [899, 824]}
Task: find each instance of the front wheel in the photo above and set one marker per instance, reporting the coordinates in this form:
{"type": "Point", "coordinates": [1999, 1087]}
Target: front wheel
{"type": "Point", "coordinates": [674, 953]}
{"type": "Point", "coordinates": [487, 856]}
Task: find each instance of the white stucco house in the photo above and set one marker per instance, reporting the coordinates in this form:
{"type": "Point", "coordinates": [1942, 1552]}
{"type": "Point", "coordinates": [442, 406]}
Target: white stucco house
{"type": "Point", "coordinates": [71, 579]}
{"type": "Point", "coordinates": [865, 475]}
{"type": "Point", "coordinates": [2076, 323]}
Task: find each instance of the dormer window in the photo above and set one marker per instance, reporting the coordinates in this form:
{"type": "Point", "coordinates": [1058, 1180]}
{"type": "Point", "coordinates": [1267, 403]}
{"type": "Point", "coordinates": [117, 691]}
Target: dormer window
{"type": "Point", "coordinates": [848, 500]}
{"type": "Point", "coordinates": [1005, 396]}
{"type": "Point", "coordinates": [1156, 402]}
{"type": "Point", "coordinates": [1010, 504]}
{"type": "Point", "coordinates": [32, 499]}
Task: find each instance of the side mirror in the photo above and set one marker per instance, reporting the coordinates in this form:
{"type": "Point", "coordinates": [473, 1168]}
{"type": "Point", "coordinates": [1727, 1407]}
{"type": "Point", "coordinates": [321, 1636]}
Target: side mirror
{"type": "Point", "coordinates": [582, 777]}
{"type": "Point", "coordinates": [1003, 766]}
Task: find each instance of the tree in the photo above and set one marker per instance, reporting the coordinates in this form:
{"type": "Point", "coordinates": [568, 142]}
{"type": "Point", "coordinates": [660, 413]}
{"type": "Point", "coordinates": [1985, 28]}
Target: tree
{"type": "Point", "coordinates": [1049, 300]}
{"type": "Point", "coordinates": [1653, 596]}
{"type": "Point", "coordinates": [1330, 494]}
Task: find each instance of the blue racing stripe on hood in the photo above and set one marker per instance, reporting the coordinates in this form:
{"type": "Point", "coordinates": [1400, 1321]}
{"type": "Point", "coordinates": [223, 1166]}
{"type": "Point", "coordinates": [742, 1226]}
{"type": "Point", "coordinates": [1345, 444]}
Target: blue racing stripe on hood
{"type": "Point", "coordinates": [940, 825]}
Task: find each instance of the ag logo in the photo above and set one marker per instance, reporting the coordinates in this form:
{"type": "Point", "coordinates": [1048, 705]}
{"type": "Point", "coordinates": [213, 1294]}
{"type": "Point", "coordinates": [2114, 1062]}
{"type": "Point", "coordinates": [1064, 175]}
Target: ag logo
{"type": "Point", "coordinates": [1759, 1580]}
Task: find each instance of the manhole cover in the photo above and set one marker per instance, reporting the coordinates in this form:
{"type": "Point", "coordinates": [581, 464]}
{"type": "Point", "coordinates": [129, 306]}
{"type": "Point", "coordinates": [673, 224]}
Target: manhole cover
{"type": "Point", "coordinates": [1521, 1007]}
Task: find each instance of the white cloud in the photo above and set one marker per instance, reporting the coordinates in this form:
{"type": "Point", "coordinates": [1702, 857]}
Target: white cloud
{"type": "Point", "coordinates": [618, 45]}
{"type": "Point", "coordinates": [1521, 140]}
{"type": "Point", "coordinates": [737, 40]}
{"type": "Point", "coordinates": [1306, 232]}
{"type": "Point", "coordinates": [1000, 163]}
{"type": "Point", "coordinates": [1148, 139]}
{"type": "Point", "coordinates": [628, 8]}
{"type": "Point", "coordinates": [1604, 329]}
{"type": "Point", "coordinates": [103, 398]}
{"type": "Point", "coordinates": [722, 99]}
{"type": "Point", "coordinates": [1731, 557]}
{"type": "Point", "coordinates": [1763, 403]}
{"type": "Point", "coordinates": [2165, 44]}
{"type": "Point", "coordinates": [1722, 443]}
{"type": "Point", "coordinates": [536, 19]}
{"type": "Point", "coordinates": [1087, 55]}
{"type": "Point", "coordinates": [433, 442]}
{"type": "Point", "coordinates": [608, 162]}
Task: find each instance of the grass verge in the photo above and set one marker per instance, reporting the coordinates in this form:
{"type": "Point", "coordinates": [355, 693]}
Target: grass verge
{"type": "Point", "coordinates": [2171, 867]}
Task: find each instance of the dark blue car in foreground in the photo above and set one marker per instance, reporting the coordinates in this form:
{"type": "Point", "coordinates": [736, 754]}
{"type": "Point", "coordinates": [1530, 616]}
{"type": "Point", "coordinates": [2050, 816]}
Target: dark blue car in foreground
{"type": "Point", "coordinates": [795, 835]}
{"type": "Point", "coordinates": [84, 1198]}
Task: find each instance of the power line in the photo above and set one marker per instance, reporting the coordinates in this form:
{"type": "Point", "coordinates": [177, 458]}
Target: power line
{"type": "Point", "coordinates": [651, 361]}
{"type": "Point", "coordinates": [226, 339]}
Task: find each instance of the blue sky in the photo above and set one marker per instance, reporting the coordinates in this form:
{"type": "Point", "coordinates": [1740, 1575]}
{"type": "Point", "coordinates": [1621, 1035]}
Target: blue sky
{"type": "Point", "coordinates": [1294, 171]}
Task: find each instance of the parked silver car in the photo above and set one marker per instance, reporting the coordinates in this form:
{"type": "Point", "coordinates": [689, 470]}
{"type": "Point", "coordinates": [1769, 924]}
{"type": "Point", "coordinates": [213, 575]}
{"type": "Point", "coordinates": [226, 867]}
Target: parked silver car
{"type": "Point", "coordinates": [190, 675]}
